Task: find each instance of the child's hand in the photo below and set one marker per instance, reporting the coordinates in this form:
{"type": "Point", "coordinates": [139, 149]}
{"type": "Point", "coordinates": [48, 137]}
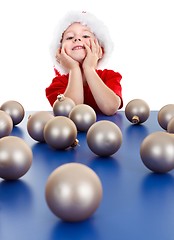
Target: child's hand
{"type": "Point", "coordinates": [93, 54]}
{"type": "Point", "coordinates": [64, 60]}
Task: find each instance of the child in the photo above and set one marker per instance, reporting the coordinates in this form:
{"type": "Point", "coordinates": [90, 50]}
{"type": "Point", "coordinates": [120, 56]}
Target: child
{"type": "Point", "coordinates": [81, 44]}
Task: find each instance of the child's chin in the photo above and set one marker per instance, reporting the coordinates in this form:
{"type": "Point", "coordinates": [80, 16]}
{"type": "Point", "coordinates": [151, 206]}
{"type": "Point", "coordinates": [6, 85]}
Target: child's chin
{"type": "Point", "coordinates": [79, 59]}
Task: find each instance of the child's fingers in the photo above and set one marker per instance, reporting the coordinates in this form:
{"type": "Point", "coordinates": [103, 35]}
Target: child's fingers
{"type": "Point", "coordinates": [58, 52]}
{"type": "Point", "coordinates": [63, 53]}
{"type": "Point", "coordinates": [58, 55]}
{"type": "Point", "coordinates": [87, 48]}
{"type": "Point", "coordinates": [100, 54]}
{"type": "Point", "coordinates": [93, 46]}
{"type": "Point", "coordinates": [98, 48]}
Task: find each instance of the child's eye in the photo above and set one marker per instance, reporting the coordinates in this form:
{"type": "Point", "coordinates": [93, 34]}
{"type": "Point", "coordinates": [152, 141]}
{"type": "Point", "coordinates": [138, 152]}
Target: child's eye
{"type": "Point", "coordinates": [86, 36]}
{"type": "Point", "coordinates": [69, 38]}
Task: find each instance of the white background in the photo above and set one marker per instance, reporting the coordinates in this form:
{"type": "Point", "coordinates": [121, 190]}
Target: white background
{"type": "Point", "coordinates": [142, 31]}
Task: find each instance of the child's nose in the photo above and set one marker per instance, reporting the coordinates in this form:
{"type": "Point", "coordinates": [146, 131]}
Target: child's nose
{"type": "Point", "coordinates": [77, 39]}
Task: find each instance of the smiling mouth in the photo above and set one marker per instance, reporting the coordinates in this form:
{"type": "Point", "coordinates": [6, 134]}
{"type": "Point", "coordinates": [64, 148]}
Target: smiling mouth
{"type": "Point", "coordinates": [78, 48]}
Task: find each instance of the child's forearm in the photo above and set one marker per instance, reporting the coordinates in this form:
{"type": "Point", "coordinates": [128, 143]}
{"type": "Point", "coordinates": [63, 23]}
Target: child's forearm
{"type": "Point", "coordinates": [106, 99]}
{"type": "Point", "coordinates": [74, 88]}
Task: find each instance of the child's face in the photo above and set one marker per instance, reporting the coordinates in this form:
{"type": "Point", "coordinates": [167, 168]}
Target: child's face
{"type": "Point", "coordinates": [73, 41]}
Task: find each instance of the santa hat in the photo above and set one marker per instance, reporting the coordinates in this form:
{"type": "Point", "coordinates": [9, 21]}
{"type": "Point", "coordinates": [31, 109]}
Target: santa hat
{"type": "Point", "coordinates": [96, 26]}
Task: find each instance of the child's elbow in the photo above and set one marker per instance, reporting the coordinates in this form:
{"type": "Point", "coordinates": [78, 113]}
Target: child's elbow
{"type": "Point", "coordinates": [111, 109]}
{"type": "Point", "coordinates": [110, 112]}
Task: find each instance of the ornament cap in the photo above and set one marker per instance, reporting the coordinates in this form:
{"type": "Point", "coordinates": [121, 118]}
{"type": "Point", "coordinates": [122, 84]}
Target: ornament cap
{"type": "Point", "coordinates": [135, 119]}
{"type": "Point", "coordinates": [75, 143]}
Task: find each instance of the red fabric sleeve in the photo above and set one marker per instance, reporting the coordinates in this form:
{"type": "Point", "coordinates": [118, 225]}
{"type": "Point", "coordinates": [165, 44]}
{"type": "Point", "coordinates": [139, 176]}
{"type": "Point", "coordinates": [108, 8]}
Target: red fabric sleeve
{"type": "Point", "coordinates": [59, 83]}
{"type": "Point", "coordinates": [58, 86]}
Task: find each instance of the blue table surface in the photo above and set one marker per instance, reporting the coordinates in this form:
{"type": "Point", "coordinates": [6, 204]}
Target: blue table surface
{"type": "Point", "coordinates": [136, 204]}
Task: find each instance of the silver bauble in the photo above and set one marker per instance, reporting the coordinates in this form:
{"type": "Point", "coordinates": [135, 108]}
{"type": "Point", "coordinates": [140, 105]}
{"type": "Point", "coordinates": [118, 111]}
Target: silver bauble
{"type": "Point", "coordinates": [60, 132]}
{"type": "Point", "coordinates": [157, 152]}
{"type": "Point", "coordinates": [83, 116]}
{"type": "Point", "coordinates": [137, 111]}
{"type": "Point", "coordinates": [15, 110]}
{"type": "Point", "coordinates": [73, 192]}
{"type": "Point", "coordinates": [36, 123]}
{"type": "Point", "coordinates": [15, 157]}
{"type": "Point", "coordinates": [170, 125]}
{"type": "Point", "coordinates": [62, 106]}
{"type": "Point", "coordinates": [104, 138]}
{"type": "Point", "coordinates": [165, 114]}
{"type": "Point", "coordinates": [6, 124]}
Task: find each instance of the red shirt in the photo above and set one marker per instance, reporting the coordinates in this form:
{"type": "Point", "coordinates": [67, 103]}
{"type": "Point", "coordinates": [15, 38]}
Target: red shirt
{"type": "Point", "coordinates": [59, 83]}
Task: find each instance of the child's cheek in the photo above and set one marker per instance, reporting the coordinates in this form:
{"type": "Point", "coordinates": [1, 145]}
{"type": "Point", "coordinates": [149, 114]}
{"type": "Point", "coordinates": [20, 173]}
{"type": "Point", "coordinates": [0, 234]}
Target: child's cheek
{"type": "Point", "coordinates": [66, 47]}
{"type": "Point", "coordinates": [87, 41]}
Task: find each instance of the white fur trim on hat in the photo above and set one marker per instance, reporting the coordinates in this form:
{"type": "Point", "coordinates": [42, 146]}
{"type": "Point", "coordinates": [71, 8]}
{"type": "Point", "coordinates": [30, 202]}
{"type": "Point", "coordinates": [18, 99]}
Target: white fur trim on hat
{"type": "Point", "coordinates": [89, 20]}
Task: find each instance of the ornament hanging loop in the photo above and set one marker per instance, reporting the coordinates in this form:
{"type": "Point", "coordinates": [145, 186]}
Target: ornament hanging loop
{"type": "Point", "coordinates": [61, 97]}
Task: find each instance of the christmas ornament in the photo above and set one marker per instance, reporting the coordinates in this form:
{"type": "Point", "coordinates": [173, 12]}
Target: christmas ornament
{"type": "Point", "coordinates": [165, 114]}
{"type": "Point", "coordinates": [62, 106]}
{"type": "Point", "coordinates": [15, 110]}
{"type": "Point", "coordinates": [60, 133]}
{"type": "Point", "coordinates": [36, 123]}
{"type": "Point", "coordinates": [104, 138]}
{"type": "Point", "coordinates": [83, 116]}
{"type": "Point", "coordinates": [73, 192]}
{"type": "Point", "coordinates": [157, 152]}
{"type": "Point", "coordinates": [6, 124]}
{"type": "Point", "coordinates": [137, 111]}
{"type": "Point", "coordinates": [15, 157]}
{"type": "Point", "coordinates": [170, 125]}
